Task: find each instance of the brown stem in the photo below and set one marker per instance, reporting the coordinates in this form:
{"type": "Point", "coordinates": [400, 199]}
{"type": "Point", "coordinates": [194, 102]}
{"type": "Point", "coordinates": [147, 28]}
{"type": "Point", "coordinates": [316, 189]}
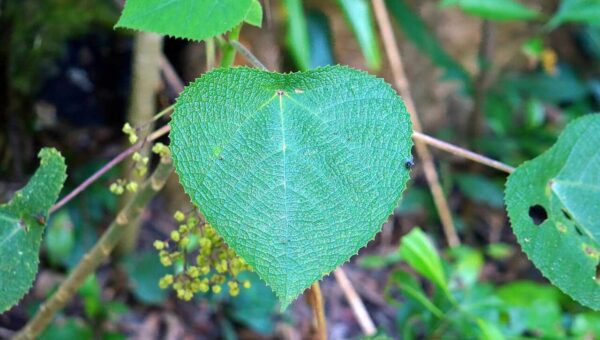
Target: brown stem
{"type": "Point", "coordinates": [99, 253]}
{"type": "Point", "coordinates": [464, 153]}
{"type": "Point", "coordinates": [356, 303]}
{"type": "Point", "coordinates": [401, 83]}
{"type": "Point", "coordinates": [315, 300]}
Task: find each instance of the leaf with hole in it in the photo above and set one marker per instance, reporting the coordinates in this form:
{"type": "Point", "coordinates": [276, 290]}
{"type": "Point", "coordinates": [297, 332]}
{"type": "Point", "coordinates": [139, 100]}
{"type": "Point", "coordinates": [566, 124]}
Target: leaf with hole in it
{"type": "Point", "coordinates": [296, 171]}
{"type": "Point", "coordinates": [553, 203]}
{"type": "Point", "coordinates": [189, 19]}
{"type": "Point", "coordinates": [22, 222]}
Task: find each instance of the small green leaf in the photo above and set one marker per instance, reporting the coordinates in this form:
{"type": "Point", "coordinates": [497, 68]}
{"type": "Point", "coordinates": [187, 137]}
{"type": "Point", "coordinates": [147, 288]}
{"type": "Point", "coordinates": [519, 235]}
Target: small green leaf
{"type": "Point", "coordinates": [418, 33]}
{"type": "Point", "coordinates": [553, 205]}
{"type": "Point", "coordinates": [297, 38]}
{"type": "Point", "coordinates": [145, 271]}
{"type": "Point", "coordinates": [255, 14]}
{"type": "Point", "coordinates": [582, 11]}
{"type": "Point", "coordinates": [189, 19]}
{"type": "Point", "coordinates": [481, 189]}
{"type": "Point", "coordinates": [60, 238]}
{"type": "Point", "coordinates": [358, 15]}
{"type": "Point", "coordinates": [22, 222]}
{"type": "Point", "coordinates": [296, 171]}
{"type": "Point", "coordinates": [501, 10]}
{"type": "Point", "coordinates": [411, 289]}
{"type": "Point", "coordinates": [418, 250]}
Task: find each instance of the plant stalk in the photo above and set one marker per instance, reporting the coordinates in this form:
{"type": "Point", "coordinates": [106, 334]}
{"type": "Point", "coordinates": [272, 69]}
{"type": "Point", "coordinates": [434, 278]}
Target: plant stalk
{"type": "Point", "coordinates": [99, 253]}
{"type": "Point", "coordinates": [145, 81]}
{"type": "Point", "coordinates": [315, 300]}
{"type": "Point", "coordinates": [228, 56]}
{"type": "Point", "coordinates": [402, 86]}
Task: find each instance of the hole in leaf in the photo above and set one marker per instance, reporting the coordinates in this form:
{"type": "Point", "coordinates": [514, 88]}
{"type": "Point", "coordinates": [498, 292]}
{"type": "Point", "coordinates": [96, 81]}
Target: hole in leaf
{"type": "Point", "coordinates": [598, 273]}
{"type": "Point", "coordinates": [538, 214]}
{"type": "Point", "coordinates": [578, 230]}
{"type": "Point", "coordinates": [567, 216]}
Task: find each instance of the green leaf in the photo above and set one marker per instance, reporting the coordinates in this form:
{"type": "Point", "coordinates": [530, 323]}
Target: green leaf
{"type": "Point", "coordinates": [296, 171]}
{"type": "Point", "coordinates": [552, 203]}
{"type": "Point", "coordinates": [358, 15]}
{"type": "Point", "coordinates": [418, 33]}
{"type": "Point", "coordinates": [581, 11]}
{"type": "Point", "coordinates": [68, 329]}
{"type": "Point", "coordinates": [145, 270]}
{"type": "Point", "coordinates": [60, 238]}
{"type": "Point", "coordinates": [297, 38]}
{"type": "Point", "coordinates": [481, 189]}
{"type": "Point", "coordinates": [501, 10]}
{"type": "Point", "coordinates": [22, 222]}
{"type": "Point", "coordinates": [411, 289]}
{"type": "Point", "coordinates": [255, 14]}
{"type": "Point", "coordinates": [418, 250]}
{"type": "Point", "coordinates": [189, 19]}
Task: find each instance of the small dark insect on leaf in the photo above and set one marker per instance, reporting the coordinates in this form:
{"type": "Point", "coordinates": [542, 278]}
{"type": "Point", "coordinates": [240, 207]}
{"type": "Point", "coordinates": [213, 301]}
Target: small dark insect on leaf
{"type": "Point", "coordinates": [409, 164]}
{"type": "Point", "coordinates": [41, 219]}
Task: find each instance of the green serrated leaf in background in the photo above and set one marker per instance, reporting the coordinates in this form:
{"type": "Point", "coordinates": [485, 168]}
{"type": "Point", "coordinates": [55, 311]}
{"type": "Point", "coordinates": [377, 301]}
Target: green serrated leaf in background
{"type": "Point", "coordinates": [255, 14]}
{"type": "Point", "coordinates": [553, 203]}
{"type": "Point", "coordinates": [189, 19]}
{"type": "Point", "coordinates": [418, 33]}
{"type": "Point", "coordinates": [22, 222]}
{"type": "Point", "coordinates": [500, 10]}
{"type": "Point", "coordinates": [296, 171]}
{"type": "Point", "coordinates": [580, 11]}
{"type": "Point", "coordinates": [359, 17]}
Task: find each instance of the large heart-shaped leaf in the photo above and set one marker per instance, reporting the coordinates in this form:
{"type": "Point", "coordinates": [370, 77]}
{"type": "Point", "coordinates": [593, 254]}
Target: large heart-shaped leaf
{"type": "Point", "coordinates": [191, 19]}
{"type": "Point", "coordinates": [22, 223]}
{"type": "Point", "coordinates": [553, 203]}
{"type": "Point", "coordinates": [296, 171]}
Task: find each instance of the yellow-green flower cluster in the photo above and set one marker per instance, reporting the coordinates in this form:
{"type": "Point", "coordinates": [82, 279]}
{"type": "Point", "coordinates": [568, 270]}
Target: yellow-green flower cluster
{"type": "Point", "coordinates": [208, 264]}
{"type": "Point", "coordinates": [131, 133]}
{"type": "Point", "coordinates": [141, 168]}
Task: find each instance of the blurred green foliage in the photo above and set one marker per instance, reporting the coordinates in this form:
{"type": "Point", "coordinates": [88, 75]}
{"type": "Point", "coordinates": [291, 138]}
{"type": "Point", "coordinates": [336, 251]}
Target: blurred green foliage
{"type": "Point", "coordinates": [34, 33]}
{"type": "Point", "coordinates": [448, 298]}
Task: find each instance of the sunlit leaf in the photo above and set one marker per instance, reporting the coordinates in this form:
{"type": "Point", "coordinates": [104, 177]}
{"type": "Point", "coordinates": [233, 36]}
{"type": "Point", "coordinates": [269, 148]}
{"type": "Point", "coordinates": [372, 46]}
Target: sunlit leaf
{"type": "Point", "coordinates": [22, 222]}
{"type": "Point", "coordinates": [190, 19]}
{"type": "Point", "coordinates": [553, 205]}
{"type": "Point", "coordinates": [296, 171]}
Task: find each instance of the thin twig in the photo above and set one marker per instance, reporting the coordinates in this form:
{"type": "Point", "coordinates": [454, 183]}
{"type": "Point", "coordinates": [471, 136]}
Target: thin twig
{"type": "Point", "coordinates": [464, 153]}
{"type": "Point", "coordinates": [402, 86]}
{"type": "Point", "coordinates": [170, 75]}
{"type": "Point", "coordinates": [245, 52]}
{"type": "Point", "coordinates": [112, 163]}
{"type": "Point", "coordinates": [356, 303]}
{"type": "Point", "coordinates": [99, 253]}
{"type": "Point", "coordinates": [315, 300]}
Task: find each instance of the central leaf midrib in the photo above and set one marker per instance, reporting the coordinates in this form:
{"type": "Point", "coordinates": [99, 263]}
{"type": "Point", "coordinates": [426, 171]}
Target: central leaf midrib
{"type": "Point", "coordinates": [285, 206]}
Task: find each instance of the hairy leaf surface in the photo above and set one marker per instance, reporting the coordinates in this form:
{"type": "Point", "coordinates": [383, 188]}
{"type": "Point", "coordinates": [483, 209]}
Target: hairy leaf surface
{"type": "Point", "coordinates": [296, 171]}
{"type": "Point", "coordinates": [22, 222]}
{"type": "Point", "coordinates": [190, 19]}
{"type": "Point", "coordinates": [553, 203]}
